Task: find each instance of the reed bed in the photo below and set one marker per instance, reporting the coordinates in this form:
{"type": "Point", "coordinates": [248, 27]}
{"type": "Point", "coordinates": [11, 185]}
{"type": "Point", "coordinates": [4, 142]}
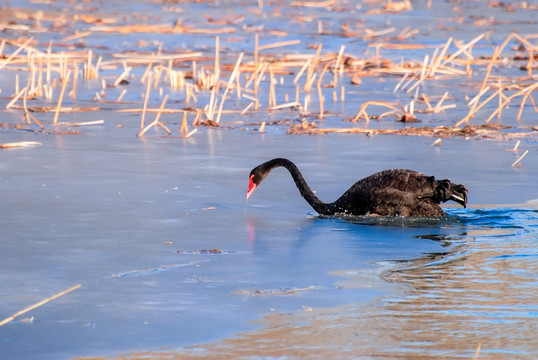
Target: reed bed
{"type": "Point", "coordinates": [275, 76]}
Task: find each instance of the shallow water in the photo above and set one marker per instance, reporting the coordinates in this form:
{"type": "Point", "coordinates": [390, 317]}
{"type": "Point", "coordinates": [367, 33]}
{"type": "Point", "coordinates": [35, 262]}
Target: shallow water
{"type": "Point", "coordinates": [476, 298]}
{"type": "Point", "coordinates": [174, 263]}
{"type": "Point", "coordinates": [112, 215]}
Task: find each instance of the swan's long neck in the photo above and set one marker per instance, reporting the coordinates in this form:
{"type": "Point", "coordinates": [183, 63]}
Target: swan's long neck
{"type": "Point", "coordinates": [304, 189]}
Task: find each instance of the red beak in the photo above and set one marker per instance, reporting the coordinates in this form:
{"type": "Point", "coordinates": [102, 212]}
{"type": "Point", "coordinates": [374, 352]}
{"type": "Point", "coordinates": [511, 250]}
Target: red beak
{"type": "Point", "coordinates": [251, 186]}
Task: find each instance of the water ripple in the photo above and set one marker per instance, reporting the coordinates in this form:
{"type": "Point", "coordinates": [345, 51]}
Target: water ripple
{"type": "Point", "coordinates": [482, 292]}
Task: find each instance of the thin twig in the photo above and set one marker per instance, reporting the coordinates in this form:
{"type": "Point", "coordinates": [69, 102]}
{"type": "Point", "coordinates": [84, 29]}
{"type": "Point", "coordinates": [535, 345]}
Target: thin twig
{"type": "Point", "coordinates": [36, 305]}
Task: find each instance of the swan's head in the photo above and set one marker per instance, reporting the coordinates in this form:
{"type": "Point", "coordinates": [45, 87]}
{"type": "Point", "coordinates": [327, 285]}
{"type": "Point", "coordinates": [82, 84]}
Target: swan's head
{"type": "Point", "coordinates": [256, 177]}
{"type": "Point", "coordinates": [260, 172]}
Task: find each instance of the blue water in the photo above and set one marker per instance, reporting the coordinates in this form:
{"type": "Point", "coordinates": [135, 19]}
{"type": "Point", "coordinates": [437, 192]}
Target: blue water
{"type": "Point", "coordinates": [482, 292]}
{"type": "Point", "coordinates": [170, 256]}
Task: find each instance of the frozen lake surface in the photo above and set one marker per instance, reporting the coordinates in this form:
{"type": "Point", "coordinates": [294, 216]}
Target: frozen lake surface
{"type": "Point", "coordinates": [129, 220]}
{"type": "Point", "coordinates": [173, 262]}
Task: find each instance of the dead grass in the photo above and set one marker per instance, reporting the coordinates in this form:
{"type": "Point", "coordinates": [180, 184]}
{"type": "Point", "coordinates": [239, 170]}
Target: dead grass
{"type": "Point", "coordinates": [275, 76]}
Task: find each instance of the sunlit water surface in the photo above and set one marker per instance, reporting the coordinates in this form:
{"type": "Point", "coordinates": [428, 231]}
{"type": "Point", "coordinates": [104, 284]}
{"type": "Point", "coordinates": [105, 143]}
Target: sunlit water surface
{"type": "Point", "coordinates": [170, 256]}
{"type": "Point", "coordinates": [174, 264]}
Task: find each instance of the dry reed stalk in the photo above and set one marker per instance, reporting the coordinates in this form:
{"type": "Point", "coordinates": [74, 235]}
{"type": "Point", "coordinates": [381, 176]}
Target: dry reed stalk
{"type": "Point", "coordinates": [27, 114]}
{"type": "Point", "coordinates": [311, 68]}
{"type": "Point", "coordinates": [320, 93]}
{"type": "Point", "coordinates": [40, 77]}
{"type": "Point", "coordinates": [122, 76]}
{"type": "Point", "coordinates": [168, 70]}
{"type": "Point", "coordinates": [209, 109]}
{"type": "Point", "coordinates": [517, 162]}
{"type": "Point", "coordinates": [191, 133]}
{"type": "Point", "coordinates": [148, 69]}
{"type": "Point", "coordinates": [500, 99]}
{"type": "Point", "coordinates": [337, 65]}
{"type": "Point", "coordinates": [19, 144]}
{"type": "Point", "coordinates": [436, 142]}
{"type": "Point", "coordinates": [427, 102]}
{"type": "Point", "coordinates": [252, 98]}
{"type": "Point", "coordinates": [123, 92]}
{"type": "Point", "coordinates": [49, 56]}
{"type": "Point", "coordinates": [525, 97]}
{"type": "Point", "coordinates": [217, 60]}
{"type": "Point", "coordinates": [157, 76]}
{"type": "Point", "coordinates": [463, 49]}
{"type": "Point", "coordinates": [400, 82]}
{"type": "Point", "coordinates": [191, 89]}
{"type": "Point", "coordinates": [177, 79]}
{"type": "Point", "coordinates": [272, 94]}
{"type": "Point", "coordinates": [16, 97]}
{"type": "Point", "coordinates": [35, 120]}
{"type": "Point", "coordinates": [36, 305]}
{"type": "Point", "coordinates": [393, 106]}
{"type": "Point", "coordinates": [184, 127]}
{"type": "Point", "coordinates": [16, 83]}
{"type": "Point", "coordinates": [76, 35]}
{"type": "Point", "coordinates": [309, 84]}
{"type": "Point", "coordinates": [15, 53]}
{"type": "Point", "coordinates": [407, 33]}
{"type": "Point", "coordinates": [477, 352]}
{"type": "Point", "coordinates": [435, 65]}
{"type": "Point", "coordinates": [306, 102]}
{"type": "Point", "coordinates": [256, 61]}
{"type": "Point", "coordinates": [411, 79]}
{"type": "Point", "coordinates": [314, 4]}
{"type": "Point", "coordinates": [277, 44]}
{"type": "Point", "coordinates": [525, 92]}
{"type": "Point", "coordinates": [478, 107]}
{"type": "Point", "coordinates": [259, 77]}
{"type": "Point", "coordinates": [156, 121]}
{"type": "Point", "coordinates": [284, 106]}
{"type": "Point", "coordinates": [229, 84]}
{"type": "Point", "coordinates": [423, 74]}
{"type": "Point", "coordinates": [83, 123]}
{"type": "Point", "coordinates": [246, 109]}
{"type": "Point", "coordinates": [373, 34]}
{"type": "Point", "coordinates": [75, 76]}
{"type": "Point", "coordinates": [440, 102]}
{"type": "Point", "coordinates": [60, 98]}
{"type": "Point", "coordinates": [496, 54]}
{"type": "Point", "coordinates": [515, 146]}
{"type": "Point", "coordinates": [146, 98]}
{"type": "Point", "coordinates": [198, 119]}
{"type": "Point", "coordinates": [88, 68]}
{"type": "Point", "coordinates": [473, 109]}
{"type": "Point", "coordinates": [529, 64]}
{"type": "Point", "coordinates": [301, 71]}
{"type": "Point", "coordinates": [478, 96]}
{"type": "Point", "coordinates": [321, 100]}
{"type": "Point", "coordinates": [323, 71]}
{"type": "Point", "coordinates": [445, 107]}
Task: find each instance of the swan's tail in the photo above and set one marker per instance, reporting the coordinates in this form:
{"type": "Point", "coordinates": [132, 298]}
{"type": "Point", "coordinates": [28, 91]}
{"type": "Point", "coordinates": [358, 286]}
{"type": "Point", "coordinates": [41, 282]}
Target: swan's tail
{"type": "Point", "coordinates": [459, 194]}
{"type": "Point", "coordinates": [446, 190]}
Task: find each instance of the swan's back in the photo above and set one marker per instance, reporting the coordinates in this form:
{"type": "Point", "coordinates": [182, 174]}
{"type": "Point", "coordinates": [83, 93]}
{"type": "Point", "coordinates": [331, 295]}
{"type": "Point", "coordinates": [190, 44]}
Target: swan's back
{"type": "Point", "coordinates": [397, 192]}
{"type": "Point", "coordinates": [404, 180]}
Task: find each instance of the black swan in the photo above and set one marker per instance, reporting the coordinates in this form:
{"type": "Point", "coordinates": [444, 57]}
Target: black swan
{"type": "Point", "coordinates": [393, 192]}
